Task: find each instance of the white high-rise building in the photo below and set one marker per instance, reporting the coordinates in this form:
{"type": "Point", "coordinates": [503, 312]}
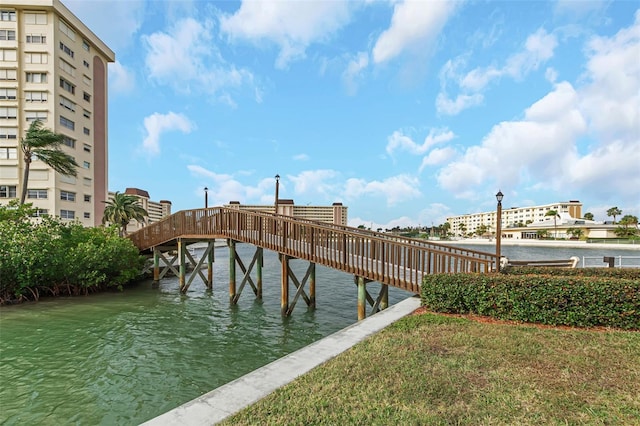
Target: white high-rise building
{"type": "Point", "coordinates": [53, 69]}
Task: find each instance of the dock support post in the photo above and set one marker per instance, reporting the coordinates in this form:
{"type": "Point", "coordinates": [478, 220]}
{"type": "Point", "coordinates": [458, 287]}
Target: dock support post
{"type": "Point", "coordinates": [183, 266]}
{"type": "Point", "coordinates": [284, 284]}
{"type": "Point", "coordinates": [260, 261]}
{"type": "Point", "coordinates": [312, 286]}
{"type": "Point", "coordinates": [156, 268]}
{"type": "Point", "coordinates": [362, 298]}
{"type": "Point", "coordinates": [210, 260]}
{"type": "Point", "coordinates": [232, 270]}
{"type": "Point", "coordinates": [384, 297]}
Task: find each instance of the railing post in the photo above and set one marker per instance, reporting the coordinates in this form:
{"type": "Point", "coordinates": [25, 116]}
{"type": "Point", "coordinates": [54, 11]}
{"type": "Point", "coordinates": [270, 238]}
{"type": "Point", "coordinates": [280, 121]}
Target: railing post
{"type": "Point", "coordinates": [362, 298]}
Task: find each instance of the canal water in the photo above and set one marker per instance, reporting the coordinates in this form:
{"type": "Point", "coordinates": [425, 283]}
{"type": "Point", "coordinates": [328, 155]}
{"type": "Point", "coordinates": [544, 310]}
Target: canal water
{"type": "Point", "coordinates": [123, 358]}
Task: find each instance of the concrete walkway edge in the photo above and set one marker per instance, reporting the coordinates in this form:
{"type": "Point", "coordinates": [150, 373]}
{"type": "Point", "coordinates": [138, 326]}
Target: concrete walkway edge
{"type": "Point", "coordinates": [228, 399]}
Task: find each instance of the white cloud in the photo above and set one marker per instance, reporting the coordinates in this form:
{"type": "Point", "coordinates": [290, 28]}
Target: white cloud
{"type": "Point", "coordinates": [399, 141]}
{"type": "Point", "coordinates": [121, 79]}
{"type": "Point", "coordinates": [156, 124]}
{"type": "Point", "coordinates": [394, 189]}
{"type": "Point", "coordinates": [224, 188]}
{"type": "Point", "coordinates": [414, 25]}
{"type": "Point", "coordinates": [538, 49]}
{"type": "Point", "coordinates": [301, 157]}
{"type": "Point", "coordinates": [293, 26]}
{"type": "Point", "coordinates": [437, 156]}
{"type": "Point", "coordinates": [354, 70]}
{"type": "Point", "coordinates": [315, 182]}
{"type": "Point", "coordinates": [187, 59]}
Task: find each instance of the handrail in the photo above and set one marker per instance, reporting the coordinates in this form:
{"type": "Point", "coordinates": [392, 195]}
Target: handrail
{"type": "Point", "coordinates": [388, 259]}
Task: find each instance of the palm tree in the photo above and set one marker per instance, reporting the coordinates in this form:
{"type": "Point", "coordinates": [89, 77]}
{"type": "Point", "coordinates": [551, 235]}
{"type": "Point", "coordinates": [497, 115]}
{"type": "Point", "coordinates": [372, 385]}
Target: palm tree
{"type": "Point", "coordinates": [122, 209]}
{"type": "Point", "coordinates": [614, 211]}
{"type": "Point", "coordinates": [555, 215]}
{"type": "Point", "coordinates": [45, 146]}
{"type": "Point", "coordinates": [588, 216]}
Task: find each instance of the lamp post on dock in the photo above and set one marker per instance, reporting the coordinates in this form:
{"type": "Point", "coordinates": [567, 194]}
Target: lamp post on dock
{"type": "Point", "coordinates": [206, 197]}
{"type": "Point", "coordinates": [499, 197]}
{"type": "Point", "coordinates": [277, 190]}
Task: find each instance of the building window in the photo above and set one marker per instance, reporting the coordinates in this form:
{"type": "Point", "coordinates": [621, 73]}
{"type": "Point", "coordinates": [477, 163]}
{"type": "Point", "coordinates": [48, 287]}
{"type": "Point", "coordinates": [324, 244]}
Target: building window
{"type": "Point", "coordinates": [40, 213]}
{"type": "Point", "coordinates": [86, 80]}
{"type": "Point", "coordinates": [36, 39]}
{"type": "Point", "coordinates": [67, 214]}
{"type": "Point", "coordinates": [66, 49]}
{"type": "Point", "coordinates": [67, 123]}
{"type": "Point", "coordinates": [86, 131]}
{"type": "Point", "coordinates": [8, 191]}
{"type": "Point", "coordinates": [36, 77]}
{"type": "Point", "coordinates": [87, 148]}
{"type": "Point", "coordinates": [71, 143]}
{"type": "Point", "coordinates": [11, 75]}
{"type": "Point", "coordinates": [7, 34]}
{"type": "Point", "coordinates": [86, 181]}
{"type": "Point", "coordinates": [8, 15]}
{"type": "Point", "coordinates": [67, 196]}
{"type": "Point", "coordinates": [67, 67]}
{"type": "Point", "coordinates": [66, 103]}
{"type": "Point", "coordinates": [8, 133]}
{"type": "Point", "coordinates": [86, 97]}
{"type": "Point", "coordinates": [66, 29]}
{"type": "Point", "coordinates": [87, 114]}
{"type": "Point", "coordinates": [8, 55]}
{"type": "Point", "coordinates": [67, 86]}
{"type": "Point", "coordinates": [8, 94]}
{"type": "Point", "coordinates": [85, 63]}
{"type": "Point", "coordinates": [36, 58]}
{"type": "Point", "coordinates": [8, 153]}
{"type": "Point", "coordinates": [36, 115]}
{"type": "Point", "coordinates": [40, 194]}
{"type": "Point", "coordinates": [35, 18]}
{"type": "Point", "coordinates": [6, 112]}
{"type": "Point", "coordinates": [87, 215]}
{"type": "Point", "coordinates": [35, 96]}
{"type": "Point", "coordinates": [86, 164]}
{"type": "Point", "coordinates": [85, 45]}
{"type": "Point", "coordinates": [87, 198]}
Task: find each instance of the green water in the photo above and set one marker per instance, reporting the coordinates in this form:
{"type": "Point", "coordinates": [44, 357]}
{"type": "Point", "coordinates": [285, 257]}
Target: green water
{"type": "Point", "coordinates": [123, 358]}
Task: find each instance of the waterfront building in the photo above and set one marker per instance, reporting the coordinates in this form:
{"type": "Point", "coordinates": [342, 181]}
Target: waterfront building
{"type": "Point", "coordinates": [336, 213]}
{"type": "Point", "coordinates": [53, 69]}
{"type": "Point", "coordinates": [156, 210]}
{"type": "Point", "coordinates": [529, 222]}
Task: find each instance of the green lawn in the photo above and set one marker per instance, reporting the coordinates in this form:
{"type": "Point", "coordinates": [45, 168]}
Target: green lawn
{"type": "Point", "coordinates": [433, 369]}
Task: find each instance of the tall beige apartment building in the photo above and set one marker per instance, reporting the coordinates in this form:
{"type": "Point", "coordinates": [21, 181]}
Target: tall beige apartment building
{"type": "Point", "coordinates": [336, 213]}
{"type": "Point", "coordinates": [156, 210]}
{"type": "Point", "coordinates": [53, 69]}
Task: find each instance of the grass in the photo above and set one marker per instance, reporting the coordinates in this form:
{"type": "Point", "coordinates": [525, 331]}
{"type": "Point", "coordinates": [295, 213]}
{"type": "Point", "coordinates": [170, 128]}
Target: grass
{"type": "Point", "coordinates": [433, 369]}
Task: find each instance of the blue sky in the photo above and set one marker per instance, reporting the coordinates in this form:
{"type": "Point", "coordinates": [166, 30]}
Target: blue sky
{"type": "Point", "coordinates": [405, 111]}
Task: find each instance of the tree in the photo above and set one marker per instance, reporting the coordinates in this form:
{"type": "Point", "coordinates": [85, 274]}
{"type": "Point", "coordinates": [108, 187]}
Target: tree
{"type": "Point", "coordinates": [555, 215]}
{"type": "Point", "coordinates": [614, 211]}
{"type": "Point", "coordinates": [576, 232]}
{"type": "Point", "coordinates": [122, 209]}
{"type": "Point", "coordinates": [588, 216]}
{"type": "Point", "coordinates": [45, 145]}
{"type": "Point", "coordinates": [463, 229]}
{"type": "Point", "coordinates": [628, 228]}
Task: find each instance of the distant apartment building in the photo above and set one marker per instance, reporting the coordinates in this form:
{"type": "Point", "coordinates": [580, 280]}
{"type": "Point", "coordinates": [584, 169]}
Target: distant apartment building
{"type": "Point", "coordinates": [156, 210]}
{"type": "Point", "coordinates": [515, 217]}
{"type": "Point", "coordinates": [336, 213]}
{"type": "Point", "coordinates": [53, 69]}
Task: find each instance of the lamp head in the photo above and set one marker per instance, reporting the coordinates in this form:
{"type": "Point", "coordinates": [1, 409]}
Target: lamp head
{"type": "Point", "coordinates": [499, 196]}
{"type": "Point", "coordinates": [277, 178]}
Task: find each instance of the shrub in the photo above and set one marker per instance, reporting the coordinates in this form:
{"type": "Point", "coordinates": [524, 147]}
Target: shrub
{"type": "Point", "coordinates": [583, 301]}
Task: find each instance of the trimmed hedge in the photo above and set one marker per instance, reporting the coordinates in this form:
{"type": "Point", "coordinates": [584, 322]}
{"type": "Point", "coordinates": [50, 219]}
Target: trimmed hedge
{"type": "Point", "coordinates": [625, 273]}
{"type": "Point", "coordinates": [583, 301]}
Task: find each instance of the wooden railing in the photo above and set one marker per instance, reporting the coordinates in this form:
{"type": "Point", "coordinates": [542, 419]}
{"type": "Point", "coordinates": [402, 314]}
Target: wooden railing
{"type": "Point", "coordinates": [388, 259]}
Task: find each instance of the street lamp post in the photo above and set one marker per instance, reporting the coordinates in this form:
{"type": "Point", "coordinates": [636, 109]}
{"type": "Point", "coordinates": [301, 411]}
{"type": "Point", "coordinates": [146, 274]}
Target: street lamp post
{"type": "Point", "coordinates": [499, 197]}
{"type": "Point", "coordinates": [206, 197]}
{"type": "Point", "coordinates": [277, 190]}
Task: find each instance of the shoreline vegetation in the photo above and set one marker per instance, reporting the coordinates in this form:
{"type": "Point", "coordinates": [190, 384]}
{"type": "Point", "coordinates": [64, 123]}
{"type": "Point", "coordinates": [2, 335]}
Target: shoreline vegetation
{"type": "Point", "coordinates": [544, 243]}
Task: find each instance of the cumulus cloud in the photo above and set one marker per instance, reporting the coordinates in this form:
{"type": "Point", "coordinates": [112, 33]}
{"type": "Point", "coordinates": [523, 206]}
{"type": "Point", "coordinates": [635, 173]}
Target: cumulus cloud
{"type": "Point", "coordinates": [321, 182]}
{"type": "Point", "coordinates": [187, 59]}
{"type": "Point", "coordinates": [224, 187]}
{"type": "Point", "coordinates": [399, 141]}
{"type": "Point", "coordinates": [156, 124]}
{"type": "Point", "coordinates": [354, 70]}
{"type": "Point", "coordinates": [121, 79]}
{"type": "Point", "coordinates": [414, 25]}
{"type": "Point", "coordinates": [537, 50]}
{"type": "Point", "coordinates": [292, 26]}
{"type": "Point", "coordinates": [394, 189]}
